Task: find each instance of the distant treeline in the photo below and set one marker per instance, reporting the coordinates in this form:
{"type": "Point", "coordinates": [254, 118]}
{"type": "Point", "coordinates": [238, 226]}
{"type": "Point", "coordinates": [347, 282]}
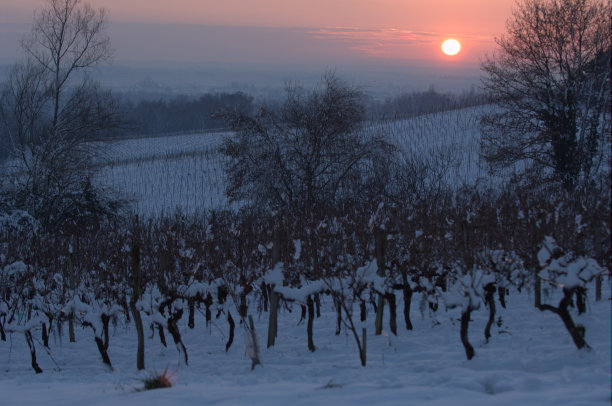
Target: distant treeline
{"type": "Point", "coordinates": [411, 104]}
{"type": "Point", "coordinates": [182, 113]}
{"type": "Point", "coordinates": [146, 117]}
{"type": "Point", "coordinates": [188, 113]}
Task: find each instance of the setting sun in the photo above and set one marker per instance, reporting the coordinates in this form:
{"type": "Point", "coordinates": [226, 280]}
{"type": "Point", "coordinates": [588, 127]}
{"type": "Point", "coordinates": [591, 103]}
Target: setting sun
{"type": "Point", "coordinates": [451, 47]}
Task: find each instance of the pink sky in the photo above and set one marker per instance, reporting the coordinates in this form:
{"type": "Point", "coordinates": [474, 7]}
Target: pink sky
{"type": "Point", "coordinates": [332, 32]}
{"type": "Point", "coordinates": [481, 17]}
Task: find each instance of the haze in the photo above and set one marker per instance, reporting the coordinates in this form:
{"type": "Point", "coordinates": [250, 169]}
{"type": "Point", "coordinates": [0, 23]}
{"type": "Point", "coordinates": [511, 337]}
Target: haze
{"type": "Point", "coordinates": [199, 44]}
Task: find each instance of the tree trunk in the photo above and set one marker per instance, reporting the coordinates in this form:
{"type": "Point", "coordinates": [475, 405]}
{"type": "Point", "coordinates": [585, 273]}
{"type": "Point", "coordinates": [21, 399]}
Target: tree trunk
{"type": "Point", "coordinates": [176, 334]}
{"type": "Point", "coordinates": [465, 321]}
{"type": "Point", "coordinates": [490, 302]}
{"type": "Point", "coordinates": [161, 335]}
{"type": "Point", "coordinates": [273, 296]}
{"type": "Point", "coordinates": [243, 308]}
{"type": "Point", "coordinates": [208, 302]}
{"type": "Point", "coordinates": [264, 294]}
{"type": "Point", "coordinates": [45, 335]}
{"type": "Point", "coordinates": [28, 336]}
{"type": "Point", "coordinates": [105, 321]}
{"type": "Point", "coordinates": [392, 313]}
{"type": "Point", "coordinates": [378, 323]}
{"type": "Point", "coordinates": [338, 315]}
{"type": "Point", "coordinates": [563, 312]}
{"type": "Point", "coordinates": [256, 357]}
{"type": "Point", "coordinates": [140, 351]}
{"type": "Point", "coordinates": [362, 353]}
{"type": "Point", "coordinates": [71, 335]}
{"type": "Point", "coordinates": [407, 302]}
{"type": "Point", "coordinates": [363, 310]}
{"type": "Point", "coordinates": [598, 285]}
{"type": "Point", "coordinates": [538, 291]}
{"type": "Point", "coordinates": [381, 248]}
{"type": "Point", "coordinates": [232, 326]}
{"type": "Point", "coordinates": [311, 315]}
{"type": "Point", "coordinates": [103, 352]}
{"type": "Point", "coordinates": [581, 300]}
{"type": "Point", "coordinates": [191, 320]}
{"type": "Point", "coordinates": [136, 282]}
{"type": "Point", "coordinates": [501, 292]}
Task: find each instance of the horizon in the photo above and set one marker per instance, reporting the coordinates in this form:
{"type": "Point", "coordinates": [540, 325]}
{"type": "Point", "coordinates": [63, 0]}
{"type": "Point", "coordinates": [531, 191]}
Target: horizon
{"type": "Point", "coordinates": [265, 47]}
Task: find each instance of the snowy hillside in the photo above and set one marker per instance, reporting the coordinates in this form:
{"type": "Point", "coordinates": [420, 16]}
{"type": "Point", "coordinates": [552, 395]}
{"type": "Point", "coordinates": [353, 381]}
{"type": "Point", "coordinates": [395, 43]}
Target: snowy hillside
{"type": "Point", "coordinates": [158, 175]}
{"type": "Point", "coordinates": [161, 174]}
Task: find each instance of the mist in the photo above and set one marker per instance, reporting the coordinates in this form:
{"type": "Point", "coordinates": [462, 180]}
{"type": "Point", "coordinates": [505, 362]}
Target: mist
{"type": "Point", "coordinates": [192, 59]}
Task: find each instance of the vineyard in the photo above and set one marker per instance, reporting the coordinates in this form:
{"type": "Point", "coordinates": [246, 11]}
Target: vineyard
{"type": "Point", "coordinates": [323, 246]}
{"type": "Point", "coordinates": [476, 287]}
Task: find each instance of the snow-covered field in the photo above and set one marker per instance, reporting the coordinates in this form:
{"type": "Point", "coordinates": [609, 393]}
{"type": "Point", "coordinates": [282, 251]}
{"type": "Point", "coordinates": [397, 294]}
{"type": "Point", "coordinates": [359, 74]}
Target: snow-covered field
{"type": "Point", "coordinates": [530, 360]}
{"type": "Point", "coordinates": [159, 175]}
{"type": "Point", "coordinates": [449, 140]}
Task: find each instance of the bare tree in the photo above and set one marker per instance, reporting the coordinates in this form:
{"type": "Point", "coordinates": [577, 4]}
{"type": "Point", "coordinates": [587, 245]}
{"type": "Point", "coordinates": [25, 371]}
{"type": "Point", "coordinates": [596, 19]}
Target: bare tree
{"type": "Point", "coordinates": [551, 81]}
{"type": "Point", "coordinates": [51, 111]}
{"type": "Point", "coordinates": [309, 154]}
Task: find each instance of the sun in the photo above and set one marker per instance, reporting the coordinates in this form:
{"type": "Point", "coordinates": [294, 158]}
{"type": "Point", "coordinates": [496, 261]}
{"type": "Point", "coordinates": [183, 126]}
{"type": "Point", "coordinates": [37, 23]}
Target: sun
{"type": "Point", "coordinates": [451, 47]}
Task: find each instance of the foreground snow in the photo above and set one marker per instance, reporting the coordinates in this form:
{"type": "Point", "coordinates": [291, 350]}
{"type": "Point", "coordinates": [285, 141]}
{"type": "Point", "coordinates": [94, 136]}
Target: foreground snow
{"type": "Point", "coordinates": [530, 360]}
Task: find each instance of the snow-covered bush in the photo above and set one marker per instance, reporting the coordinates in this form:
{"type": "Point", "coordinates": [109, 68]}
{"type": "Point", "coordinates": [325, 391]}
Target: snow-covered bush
{"type": "Point", "coordinates": [467, 294]}
{"type": "Point", "coordinates": [569, 273]}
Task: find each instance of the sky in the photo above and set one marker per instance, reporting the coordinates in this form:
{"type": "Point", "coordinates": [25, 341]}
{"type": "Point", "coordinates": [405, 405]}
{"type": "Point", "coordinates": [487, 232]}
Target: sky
{"type": "Point", "coordinates": [380, 41]}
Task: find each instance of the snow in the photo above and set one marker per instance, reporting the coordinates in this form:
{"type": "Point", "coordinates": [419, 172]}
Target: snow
{"type": "Point", "coordinates": [15, 268]}
{"type": "Point", "coordinates": [275, 276]}
{"type": "Point", "coordinates": [297, 245]}
{"type": "Point", "coordinates": [529, 360]}
{"type": "Point", "coordinates": [160, 174]}
{"type": "Point", "coordinates": [547, 249]}
{"type": "Point", "coordinates": [300, 294]}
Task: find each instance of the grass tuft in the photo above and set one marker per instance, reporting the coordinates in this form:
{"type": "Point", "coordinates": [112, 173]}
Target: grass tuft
{"type": "Point", "coordinates": [158, 381]}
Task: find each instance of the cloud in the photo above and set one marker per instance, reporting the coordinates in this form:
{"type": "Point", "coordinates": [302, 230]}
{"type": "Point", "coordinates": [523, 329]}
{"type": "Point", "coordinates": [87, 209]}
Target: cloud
{"type": "Point", "coordinates": [388, 42]}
